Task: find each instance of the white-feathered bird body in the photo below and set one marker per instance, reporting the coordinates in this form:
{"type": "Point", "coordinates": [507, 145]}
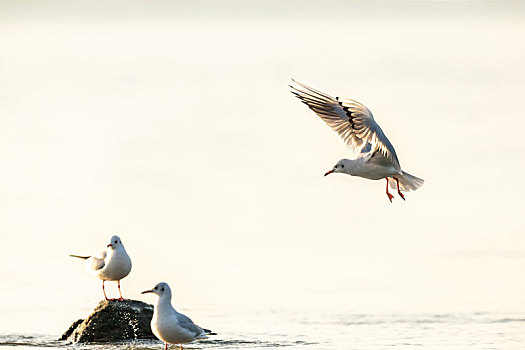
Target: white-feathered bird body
{"type": "Point", "coordinates": [113, 264]}
{"type": "Point", "coordinates": [117, 264]}
{"type": "Point", "coordinates": [373, 170]}
{"type": "Point", "coordinates": [166, 324]}
{"type": "Point", "coordinates": [169, 325]}
{"type": "Point", "coordinates": [362, 168]}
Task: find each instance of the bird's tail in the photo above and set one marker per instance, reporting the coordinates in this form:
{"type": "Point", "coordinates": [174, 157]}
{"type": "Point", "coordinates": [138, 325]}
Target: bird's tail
{"type": "Point", "coordinates": [206, 333]}
{"type": "Point", "coordinates": [407, 182]}
{"type": "Point", "coordinates": [80, 257]}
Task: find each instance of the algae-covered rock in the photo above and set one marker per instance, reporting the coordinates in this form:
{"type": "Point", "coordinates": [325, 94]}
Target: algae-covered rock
{"type": "Point", "coordinates": [113, 321]}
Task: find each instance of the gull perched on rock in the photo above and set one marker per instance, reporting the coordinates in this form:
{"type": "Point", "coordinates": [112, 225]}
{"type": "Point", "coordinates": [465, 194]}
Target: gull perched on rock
{"type": "Point", "coordinates": [376, 157]}
{"type": "Point", "coordinates": [170, 326]}
{"type": "Point", "coordinates": [113, 264]}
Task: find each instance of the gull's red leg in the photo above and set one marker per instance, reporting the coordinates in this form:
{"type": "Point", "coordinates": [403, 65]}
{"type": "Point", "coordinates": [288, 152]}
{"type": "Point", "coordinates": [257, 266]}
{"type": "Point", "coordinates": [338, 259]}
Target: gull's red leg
{"type": "Point", "coordinates": [165, 346]}
{"type": "Point", "coordinates": [181, 346]}
{"type": "Point", "coordinates": [104, 291]}
{"type": "Point", "coordinates": [388, 193]}
{"type": "Point", "coordinates": [121, 298]}
{"type": "Point", "coordinates": [398, 190]}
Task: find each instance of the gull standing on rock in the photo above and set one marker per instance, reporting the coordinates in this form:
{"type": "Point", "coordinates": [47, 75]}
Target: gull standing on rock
{"type": "Point", "coordinates": [354, 122]}
{"type": "Point", "coordinates": [170, 326]}
{"type": "Point", "coordinates": [113, 264]}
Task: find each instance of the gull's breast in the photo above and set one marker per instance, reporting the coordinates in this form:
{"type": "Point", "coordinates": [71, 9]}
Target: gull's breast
{"type": "Point", "coordinates": [375, 171]}
{"type": "Point", "coordinates": [117, 267]}
{"type": "Point", "coordinates": [169, 330]}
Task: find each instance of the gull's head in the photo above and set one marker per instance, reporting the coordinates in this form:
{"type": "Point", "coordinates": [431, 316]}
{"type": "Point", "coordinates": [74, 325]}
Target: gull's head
{"type": "Point", "coordinates": [160, 289]}
{"type": "Point", "coordinates": [115, 242]}
{"type": "Point", "coordinates": [338, 168]}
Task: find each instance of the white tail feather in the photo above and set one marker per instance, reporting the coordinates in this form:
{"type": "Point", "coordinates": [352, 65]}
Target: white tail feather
{"type": "Point", "coordinates": [407, 182]}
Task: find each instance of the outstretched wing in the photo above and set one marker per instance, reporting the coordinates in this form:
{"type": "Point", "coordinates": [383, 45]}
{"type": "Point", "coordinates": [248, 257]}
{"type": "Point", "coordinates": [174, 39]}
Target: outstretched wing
{"type": "Point", "coordinates": [350, 119]}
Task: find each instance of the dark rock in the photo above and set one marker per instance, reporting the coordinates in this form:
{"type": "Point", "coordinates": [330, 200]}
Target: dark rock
{"type": "Point", "coordinates": [113, 321]}
{"type": "Point", "coordinates": [71, 329]}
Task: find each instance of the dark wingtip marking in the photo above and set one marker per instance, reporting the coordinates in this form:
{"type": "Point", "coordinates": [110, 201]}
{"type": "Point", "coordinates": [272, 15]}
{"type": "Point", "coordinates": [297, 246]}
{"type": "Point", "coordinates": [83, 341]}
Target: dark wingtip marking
{"type": "Point", "coordinates": [208, 332]}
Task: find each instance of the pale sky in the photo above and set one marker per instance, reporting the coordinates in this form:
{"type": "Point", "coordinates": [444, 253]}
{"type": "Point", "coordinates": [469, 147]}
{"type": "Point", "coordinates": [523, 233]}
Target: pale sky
{"type": "Point", "coordinates": [175, 129]}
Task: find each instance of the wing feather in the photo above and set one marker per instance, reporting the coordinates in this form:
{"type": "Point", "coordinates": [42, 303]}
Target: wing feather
{"type": "Point", "coordinates": [97, 262]}
{"type": "Point", "coordinates": [186, 323]}
{"type": "Point", "coordinates": [350, 119]}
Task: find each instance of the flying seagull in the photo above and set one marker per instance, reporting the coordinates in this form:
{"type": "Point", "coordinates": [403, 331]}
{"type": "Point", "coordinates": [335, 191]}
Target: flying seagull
{"type": "Point", "coordinates": [376, 157]}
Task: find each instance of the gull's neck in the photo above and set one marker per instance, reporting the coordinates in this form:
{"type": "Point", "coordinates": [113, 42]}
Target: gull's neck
{"type": "Point", "coordinates": [163, 302]}
{"type": "Point", "coordinates": [118, 250]}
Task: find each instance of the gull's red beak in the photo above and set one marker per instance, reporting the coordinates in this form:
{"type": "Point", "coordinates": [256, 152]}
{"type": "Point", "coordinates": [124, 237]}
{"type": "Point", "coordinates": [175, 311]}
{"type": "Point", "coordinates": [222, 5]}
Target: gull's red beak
{"type": "Point", "coordinates": [329, 172]}
{"type": "Point", "coordinates": [109, 245]}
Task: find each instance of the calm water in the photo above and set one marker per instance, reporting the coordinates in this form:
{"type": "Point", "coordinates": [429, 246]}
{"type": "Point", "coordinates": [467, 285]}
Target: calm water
{"type": "Point", "coordinates": [170, 123]}
{"type": "Point", "coordinates": [335, 331]}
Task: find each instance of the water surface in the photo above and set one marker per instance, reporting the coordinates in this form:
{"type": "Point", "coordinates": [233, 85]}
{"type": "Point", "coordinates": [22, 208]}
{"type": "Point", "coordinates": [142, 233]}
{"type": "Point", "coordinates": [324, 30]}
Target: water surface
{"type": "Point", "coordinates": [334, 331]}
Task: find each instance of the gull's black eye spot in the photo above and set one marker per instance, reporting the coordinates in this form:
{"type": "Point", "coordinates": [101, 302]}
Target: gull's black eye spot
{"type": "Point", "coordinates": [156, 288]}
{"type": "Point", "coordinates": [162, 289]}
{"type": "Point", "coordinates": [342, 165]}
{"type": "Point", "coordinates": [115, 242]}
